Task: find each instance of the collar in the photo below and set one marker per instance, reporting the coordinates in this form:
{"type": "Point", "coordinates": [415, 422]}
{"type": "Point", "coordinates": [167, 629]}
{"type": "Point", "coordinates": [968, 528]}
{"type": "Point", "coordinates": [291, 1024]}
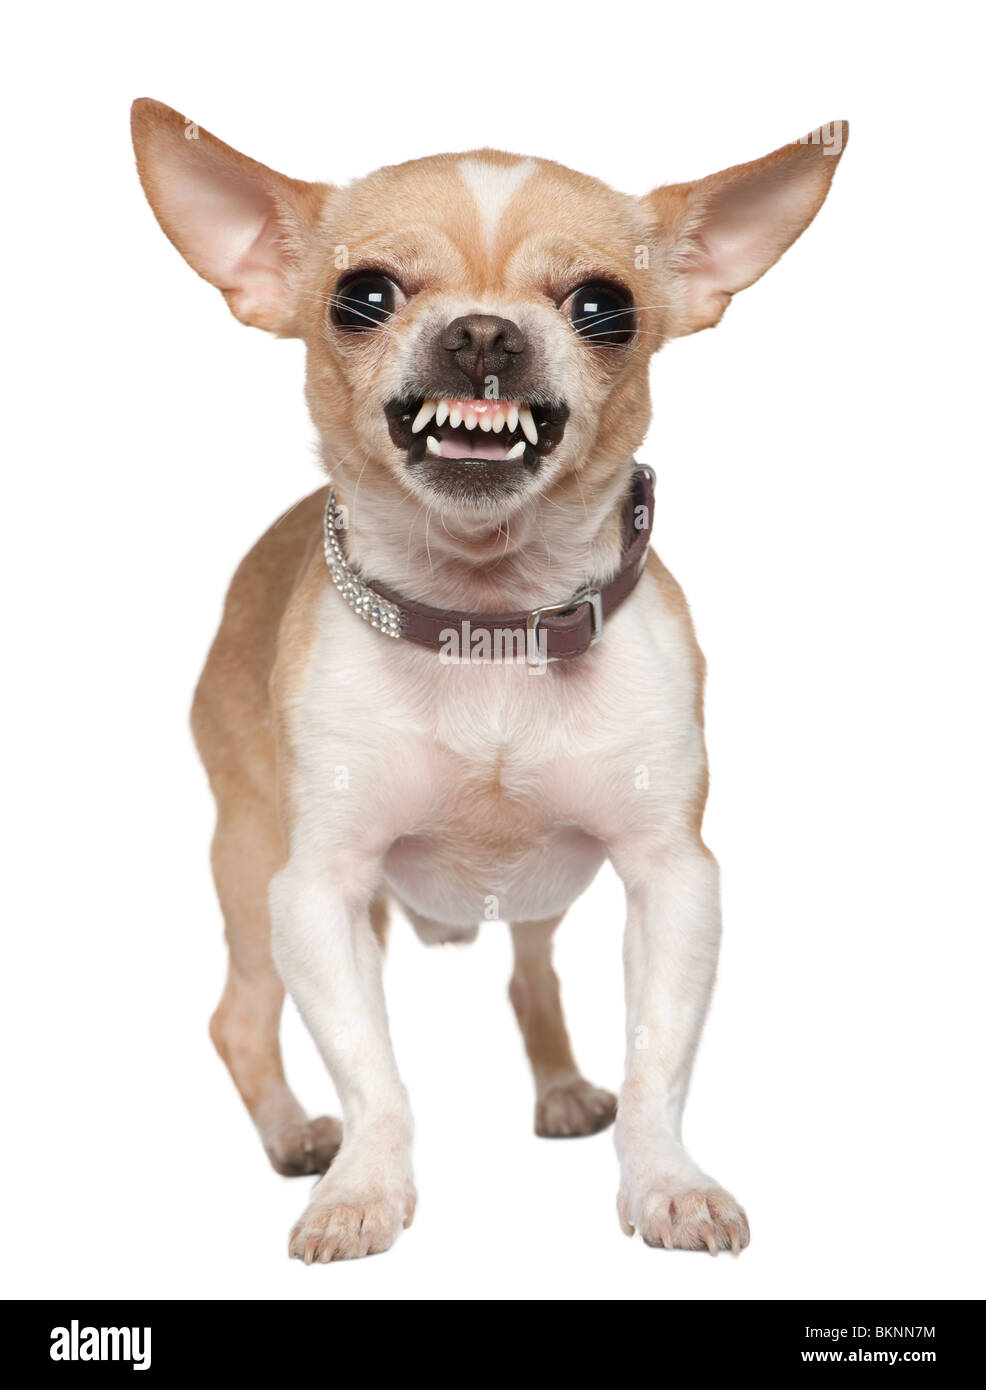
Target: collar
{"type": "Point", "coordinates": [553, 632]}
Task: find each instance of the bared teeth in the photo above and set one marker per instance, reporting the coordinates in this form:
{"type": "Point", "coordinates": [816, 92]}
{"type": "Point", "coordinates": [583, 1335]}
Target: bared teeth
{"type": "Point", "coordinates": [423, 416]}
{"type": "Point", "coordinates": [500, 416]}
{"type": "Point", "coordinates": [527, 424]}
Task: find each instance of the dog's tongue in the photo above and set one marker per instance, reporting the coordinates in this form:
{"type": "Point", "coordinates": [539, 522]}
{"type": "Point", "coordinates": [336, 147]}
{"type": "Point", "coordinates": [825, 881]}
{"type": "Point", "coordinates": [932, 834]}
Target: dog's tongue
{"type": "Point", "coordinates": [470, 444]}
{"type": "Point", "coordinates": [462, 443]}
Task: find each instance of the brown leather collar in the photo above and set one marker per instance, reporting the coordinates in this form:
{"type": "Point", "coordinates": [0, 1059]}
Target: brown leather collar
{"type": "Point", "coordinates": [553, 632]}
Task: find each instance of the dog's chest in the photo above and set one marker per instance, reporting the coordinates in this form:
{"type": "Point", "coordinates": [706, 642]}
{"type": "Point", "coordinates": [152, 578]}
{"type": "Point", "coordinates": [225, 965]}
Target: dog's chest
{"type": "Point", "coordinates": [488, 790]}
{"type": "Point", "coordinates": [496, 833]}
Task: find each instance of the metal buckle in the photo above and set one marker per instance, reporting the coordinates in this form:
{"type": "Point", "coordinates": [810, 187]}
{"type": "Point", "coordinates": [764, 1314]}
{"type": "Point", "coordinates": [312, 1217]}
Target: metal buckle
{"type": "Point", "coordinates": [585, 595]}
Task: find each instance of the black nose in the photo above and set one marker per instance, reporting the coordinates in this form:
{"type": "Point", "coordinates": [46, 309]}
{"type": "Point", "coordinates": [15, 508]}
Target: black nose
{"type": "Point", "coordinates": [483, 345]}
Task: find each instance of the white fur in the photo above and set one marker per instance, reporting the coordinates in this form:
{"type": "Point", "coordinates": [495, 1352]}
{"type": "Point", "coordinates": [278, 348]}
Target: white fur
{"type": "Point", "coordinates": [494, 186]}
{"type": "Point", "coordinates": [394, 754]}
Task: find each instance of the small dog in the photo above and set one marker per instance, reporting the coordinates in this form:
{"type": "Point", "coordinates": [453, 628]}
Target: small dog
{"type": "Point", "coordinates": [459, 677]}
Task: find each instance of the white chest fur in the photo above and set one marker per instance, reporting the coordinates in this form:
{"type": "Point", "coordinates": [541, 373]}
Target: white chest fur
{"type": "Point", "coordinates": [491, 790]}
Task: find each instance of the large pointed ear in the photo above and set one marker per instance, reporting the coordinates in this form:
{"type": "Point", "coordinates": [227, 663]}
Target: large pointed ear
{"type": "Point", "coordinates": [242, 226]}
{"type": "Point", "coordinates": [723, 232]}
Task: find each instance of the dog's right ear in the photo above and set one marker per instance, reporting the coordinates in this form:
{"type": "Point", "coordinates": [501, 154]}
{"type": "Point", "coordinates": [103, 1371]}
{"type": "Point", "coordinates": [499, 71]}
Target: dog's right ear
{"type": "Point", "coordinates": [242, 226]}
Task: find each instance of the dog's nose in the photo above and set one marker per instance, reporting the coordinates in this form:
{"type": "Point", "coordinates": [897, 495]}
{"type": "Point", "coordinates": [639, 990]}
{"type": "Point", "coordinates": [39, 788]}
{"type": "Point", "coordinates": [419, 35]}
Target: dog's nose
{"type": "Point", "coordinates": [483, 344]}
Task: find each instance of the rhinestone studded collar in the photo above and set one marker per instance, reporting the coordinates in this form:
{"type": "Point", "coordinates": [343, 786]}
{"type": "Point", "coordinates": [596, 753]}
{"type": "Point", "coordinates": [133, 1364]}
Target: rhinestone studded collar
{"type": "Point", "coordinates": [552, 632]}
{"type": "Point", "coordinates": [372, 607]}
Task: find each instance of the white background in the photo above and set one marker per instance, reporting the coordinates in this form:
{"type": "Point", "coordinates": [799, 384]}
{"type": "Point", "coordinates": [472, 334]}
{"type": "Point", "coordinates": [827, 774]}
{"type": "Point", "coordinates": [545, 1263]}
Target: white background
{"type": "Point", "coordinates": [820, 499]}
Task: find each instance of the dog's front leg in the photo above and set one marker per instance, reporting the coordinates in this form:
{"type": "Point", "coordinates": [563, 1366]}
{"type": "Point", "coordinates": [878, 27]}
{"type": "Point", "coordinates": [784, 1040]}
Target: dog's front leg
{"type": "Point", "coordinates": [670, 953]}
{"type": "Point", "coordinates": [329, 958]}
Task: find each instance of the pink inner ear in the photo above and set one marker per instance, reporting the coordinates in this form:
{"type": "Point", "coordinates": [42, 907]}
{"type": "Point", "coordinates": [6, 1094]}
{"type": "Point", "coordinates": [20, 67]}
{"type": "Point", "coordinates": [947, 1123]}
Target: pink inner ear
{"type": "Point", "coordinates": [750, 223]}
{"type": "Point", "coordinates": [227, 227]}
{"type": "Point", "coordinates": [223, 216]}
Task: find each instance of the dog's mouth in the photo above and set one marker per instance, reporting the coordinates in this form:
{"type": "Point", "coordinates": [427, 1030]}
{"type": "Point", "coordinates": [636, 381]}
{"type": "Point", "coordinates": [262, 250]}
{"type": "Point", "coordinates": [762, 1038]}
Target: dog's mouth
{"type": "Point", "coordinates": [479, 445]}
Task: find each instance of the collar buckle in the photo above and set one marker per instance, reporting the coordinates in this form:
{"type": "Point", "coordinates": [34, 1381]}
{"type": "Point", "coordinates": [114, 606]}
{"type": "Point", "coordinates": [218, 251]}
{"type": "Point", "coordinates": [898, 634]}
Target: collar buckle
{"type": "Point", "coordinates": [587, 594]}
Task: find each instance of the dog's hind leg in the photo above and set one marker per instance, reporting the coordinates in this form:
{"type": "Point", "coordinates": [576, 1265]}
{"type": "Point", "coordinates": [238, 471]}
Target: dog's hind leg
{"type": "Point", "coordinates": [232, 727]}
{"type": "Point", "coordinates": [566, 1104]}
{"type": "Point", "coordinates": [246, 853]}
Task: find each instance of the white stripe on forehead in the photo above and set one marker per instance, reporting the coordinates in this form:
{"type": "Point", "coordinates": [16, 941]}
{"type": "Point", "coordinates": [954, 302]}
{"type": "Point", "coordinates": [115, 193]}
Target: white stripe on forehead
{"type": "Point", "coordinates": [493, 186]}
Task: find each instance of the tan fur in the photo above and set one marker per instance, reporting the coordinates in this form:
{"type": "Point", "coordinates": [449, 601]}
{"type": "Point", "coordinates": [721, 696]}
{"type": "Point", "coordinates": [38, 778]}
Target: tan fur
{"type": "Point", "coordinates": [566, 1105]}
{"type": "Point", "coordinates": [231, 721]}
{"type": "Point", "coordinates": [676, 603]}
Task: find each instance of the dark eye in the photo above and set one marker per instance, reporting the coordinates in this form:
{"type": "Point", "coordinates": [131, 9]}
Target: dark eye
{"type": "Point", "coordinates": [364, 302]}
{"type": "Point", "coordinates": [602, 315]}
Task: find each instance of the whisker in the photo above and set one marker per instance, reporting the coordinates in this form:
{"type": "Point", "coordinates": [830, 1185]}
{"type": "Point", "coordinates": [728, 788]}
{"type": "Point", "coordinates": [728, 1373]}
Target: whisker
{"type": "Point", "coordinates": [352, 307]}
{"type": "Point", "coordinates": [616, 313]}
{"type": "Point", "coordinates": [431, 566]}
{"type": "Point", "coordinates": [410, 537]}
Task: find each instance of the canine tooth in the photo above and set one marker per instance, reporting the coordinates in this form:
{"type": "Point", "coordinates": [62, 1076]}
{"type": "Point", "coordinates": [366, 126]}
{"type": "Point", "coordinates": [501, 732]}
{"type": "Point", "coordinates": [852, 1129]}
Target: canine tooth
{"type": "Point", "coordinates": [433, 447]}
{"type": "Point", "coordinates": [469, 420]}
{"type": "Point", "coordinates": [455, 417]}
{"type": "Point", "coordinates": [441, 412]}
{"type": "Point", "coordinates": [485, 423]}
{"type": "Point", "coordinates": [423, 416]}
{"type": "Point", "coordinates": [517, 450]}
{"type": "Point", "coordinates": [512, 415]}
{"type": "Point", "coordinates": [499, 420]}
{"type": "Point", "coordinates": [527, 424]}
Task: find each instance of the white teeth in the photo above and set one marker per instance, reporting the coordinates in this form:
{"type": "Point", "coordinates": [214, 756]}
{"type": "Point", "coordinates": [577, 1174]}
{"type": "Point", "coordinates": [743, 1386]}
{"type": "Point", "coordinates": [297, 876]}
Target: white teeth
{"type": "Point", "coordinates": [423, 416]}
{"type": "Point", "coordinates": [527, 424]}
{"type": "Point", "coordinates": [494, 421]}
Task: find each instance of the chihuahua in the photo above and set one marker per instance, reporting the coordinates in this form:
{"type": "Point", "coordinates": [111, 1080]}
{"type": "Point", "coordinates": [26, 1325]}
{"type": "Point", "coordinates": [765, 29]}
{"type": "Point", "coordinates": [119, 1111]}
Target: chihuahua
{"type": "Point", "coordinates": [458, 677]}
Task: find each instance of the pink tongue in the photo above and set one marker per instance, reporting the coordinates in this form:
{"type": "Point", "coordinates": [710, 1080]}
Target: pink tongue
{"type": "Point", "coordinates": [471, 444]}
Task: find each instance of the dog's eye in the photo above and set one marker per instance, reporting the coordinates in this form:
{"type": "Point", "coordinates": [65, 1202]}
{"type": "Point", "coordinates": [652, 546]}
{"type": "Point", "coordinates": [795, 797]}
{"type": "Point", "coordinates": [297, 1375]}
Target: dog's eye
{"type": "Point", "coordinates": [364, 302]}
{"type": "Point", "coordinates": [602, 315]}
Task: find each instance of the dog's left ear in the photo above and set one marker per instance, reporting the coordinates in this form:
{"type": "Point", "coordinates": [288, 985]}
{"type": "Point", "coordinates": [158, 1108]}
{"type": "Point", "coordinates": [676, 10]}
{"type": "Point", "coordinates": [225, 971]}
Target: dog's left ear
{"type": "Point", "coordinates": [723, 232]}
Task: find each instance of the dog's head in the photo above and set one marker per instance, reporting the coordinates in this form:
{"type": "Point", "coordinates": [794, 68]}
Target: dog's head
{"type": "Point", "coordinates": [478, 326]}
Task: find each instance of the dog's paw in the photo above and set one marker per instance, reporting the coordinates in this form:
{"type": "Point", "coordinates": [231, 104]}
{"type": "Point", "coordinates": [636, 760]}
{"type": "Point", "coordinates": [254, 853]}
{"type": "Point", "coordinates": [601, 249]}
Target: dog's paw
{"type": "Point", "coordinates": [573, 1109]}
{"type": "Point", "coordinates": [305, 1147]}
{"type": "Point", "coordinates": [349, 1226]}
{"type": "Point", "coordinates": [686, 1216]}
